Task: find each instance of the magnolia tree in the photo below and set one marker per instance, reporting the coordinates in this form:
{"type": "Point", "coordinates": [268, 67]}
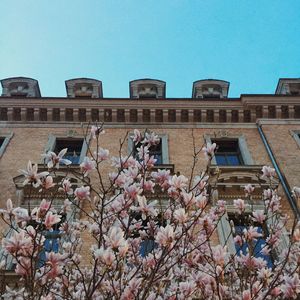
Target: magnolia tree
{"type": "Point", "coordinates": [139, 248]}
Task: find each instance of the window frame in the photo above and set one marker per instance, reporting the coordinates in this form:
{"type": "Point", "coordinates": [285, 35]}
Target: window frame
{"type": "Point", "coordinates": [243, 148]}
{"type": "Point", "coordinates": [52, 143]}
{"type": "Point", "coordinates": [164, 147]}
{"type": "Point", "coordinates": [7, 138]}
{"type": "Point", "coordinates": [296, 135]}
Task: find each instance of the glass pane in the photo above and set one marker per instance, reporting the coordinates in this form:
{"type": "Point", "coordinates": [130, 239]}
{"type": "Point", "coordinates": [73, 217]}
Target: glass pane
{"type": "Point", "coordinates": [233, 160]}
{"type": "Point", "coordinates": [146, 247]}
{"type": "Point", "coordinates": [221, 160]}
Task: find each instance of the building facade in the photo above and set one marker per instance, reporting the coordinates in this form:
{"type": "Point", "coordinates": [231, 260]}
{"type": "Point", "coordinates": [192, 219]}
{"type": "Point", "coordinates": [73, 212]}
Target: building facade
{"type": "Point", "coordinates": [251, 131]}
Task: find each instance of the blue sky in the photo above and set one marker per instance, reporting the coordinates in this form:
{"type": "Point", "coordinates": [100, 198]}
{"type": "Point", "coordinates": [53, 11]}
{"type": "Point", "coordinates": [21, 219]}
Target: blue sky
{"type": "Point", "coordinates": [249, 43]}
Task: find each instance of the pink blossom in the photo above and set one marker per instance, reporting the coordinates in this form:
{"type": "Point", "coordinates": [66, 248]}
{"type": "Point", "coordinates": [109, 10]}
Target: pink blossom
{"type": "Point", "coordinates": [96, 131]}
{"type": "Point", "coordinates": [145, 208]}
{"type": "Point", "coordinates": [178, 182]}
{"type": "Point", "coordinates": [82, 193]}
{"type": "Point", "coordinates": [151, 139]}
{"type": "Point", "coordinates": [32, 176]}
{"type": "Point", "coordinates": [268, 172]}
{"type": "Point", "coordinates": [180, 215]}
{"type": "Point", "coordinates": [52, 160]}
{"type": "Point", "coordinates": [239, 204]}
{"type": "Point", "coordinates": [19, 241]}
{"type": "Point", "coordinates": [137, 138]}
{"type": "Point", "coordinates": [87, 166]}
{"type": "Point", "coordinates": [201, 201]}
{"type": "Point", "coordinates": [252, 233]}
{"type": "Point", "coordinates": [209, 150]}
{"type": "Point", "coordinates": [259, 216]}
{"type": "Point", "coordinates": [21, 214]}
{"type": "Point", "coordinates": [165, 236]}
{"type": "Point", "coordinates": [162, 178]}
{"type": "Point", "coordinates": [105, 256]}
{"type": "Point", "coordinates": [246, 295]}
{"type": "Point", "coordinates": [51, 219]}
{"type": "Point", "coordinates": [24, 266]}
{"type": "Point", "coordinates": [47, 182]}
{"type": "Point", "coordinates": [115, 238]}
{"type": "Point", "coordinates": [66, 187]}
{"type": "Point", "coordinates": [103, 154]}
{"type": "Point", "coordinates": [249, 189]}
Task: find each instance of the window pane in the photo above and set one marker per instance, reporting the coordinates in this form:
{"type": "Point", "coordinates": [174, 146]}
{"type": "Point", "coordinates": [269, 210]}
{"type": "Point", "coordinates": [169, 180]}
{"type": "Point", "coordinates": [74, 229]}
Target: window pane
{"type": "Point", "coordinates": [221, 160]}
{"type": "Point", "coordinates": [258, 245]}
{"type": "Point", "coordinates": [146, 247]}
{"type": "Point", "coordinates": [233, 160]}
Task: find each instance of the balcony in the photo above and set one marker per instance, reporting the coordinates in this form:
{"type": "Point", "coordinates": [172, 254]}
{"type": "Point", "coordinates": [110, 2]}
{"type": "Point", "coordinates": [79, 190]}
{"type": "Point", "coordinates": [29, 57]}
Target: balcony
{"type": "Point", "coordinates": [229, 181]}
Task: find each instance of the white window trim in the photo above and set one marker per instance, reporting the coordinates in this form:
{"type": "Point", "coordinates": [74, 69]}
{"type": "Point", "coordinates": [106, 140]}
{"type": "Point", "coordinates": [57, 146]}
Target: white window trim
{"type": "Point", "coordinates": [295, 134]}
{"type": "Point", "coordinates": [246, 156]}
{"type": "Point", "coordinates": [52, 140]}
{"type": "Point", "coordinates": [7, 138]}
{"type": "Point", "coordinates": [164, 146]}
{"type": "Point", "coordinates": [225, 232]}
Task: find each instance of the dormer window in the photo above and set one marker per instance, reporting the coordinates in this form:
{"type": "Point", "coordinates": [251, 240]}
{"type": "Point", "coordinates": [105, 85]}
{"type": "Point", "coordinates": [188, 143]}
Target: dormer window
{"type": "Point", "coordinates": [288, 86]}
{"type": "Point", "coordinates": [20, 87]}
{"type": "Point", "coordinates": [147, 89]}
{"type": "Point", "coordinates": [210, 88]}
{"type": "Point", "coordinates": [84, 88]}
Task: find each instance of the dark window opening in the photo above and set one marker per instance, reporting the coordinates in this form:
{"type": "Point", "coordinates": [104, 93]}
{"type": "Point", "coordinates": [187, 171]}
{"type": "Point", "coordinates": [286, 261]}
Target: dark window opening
{"type": "Point", "coordinates": [74, 149]}
{"type": "Point", "coordinates": [244, 222]}
{"type": "Point", "coordinates": [154, 150]}
{"type": "Point", "coordinates": [228, 153]}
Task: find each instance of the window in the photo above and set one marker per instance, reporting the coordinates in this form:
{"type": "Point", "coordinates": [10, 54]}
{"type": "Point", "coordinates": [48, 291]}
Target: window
{"type": "Point", "coordinates": [228, 153]}
{"type": "Point", "coordinates": [226, 238]}
{"type": "Point", "coordinates": [242, 223]}
{"type": "Point", "coordinates": [159, 151]}
{"type": "Point", "coordinates": [77, 146]}
{"type": "Point", "coordinates": [74, 149]}
{"type": "Point", "coordinates": [232, 150]}
{"type": "Point", "coordinates": [51, 244]}
{"type": "Point", "coordinates": [4, 141]}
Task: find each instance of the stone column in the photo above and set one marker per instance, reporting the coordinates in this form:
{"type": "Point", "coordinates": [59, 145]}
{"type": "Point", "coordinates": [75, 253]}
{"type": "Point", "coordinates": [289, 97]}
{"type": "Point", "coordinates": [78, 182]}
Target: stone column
{"type": "Point", "coordinates": [228, 115]}
{"type": "Point", "coordinates": [178, 115]}
{"type": "Point", "coordinates": [62, 114]}
{"type": "Point", "coordinates": [127, 115]}
{"type": "Point", "coordinates": [10, 114]}
{"type": "Point", "coordinates": [191, 115]}
{"type": "Point", "coordinates": [278, 111]}
{"type": "Point", "coordinates": [36, 114]}
{"type": "Point", "coordinates": [216, 115]}
{"type": "Point", "coordinates": [88, 115]}
{"type": "Point", "coordinates": [114, 115]}
{"type": "Point", "coordinates": [203, 115]}
{"type": "Point", "coordinates": [49, 114]}
{"type": "Point", "coordinates": [23, 114]}
{"type": "Point", "coordinates": [152, 115]}
{"type": "Point", "coordinates": [140, 115]}
{"type": "Point", "coordinates": [75, 115]}
{"type": "Point", "coordinates": [165, 115]}
{"type": "Point", "coordinates": [241, 115]}
{"type": "Point", "coordinates": [265, 111]}
{"type": "Point", "coordinates": [101, 115]}
{"type": "Point", "coordinates": [291, 111]}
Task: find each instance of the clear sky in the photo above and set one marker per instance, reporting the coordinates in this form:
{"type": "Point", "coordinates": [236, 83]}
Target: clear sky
{"type": "Point", "coordinates": [249, 43]}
